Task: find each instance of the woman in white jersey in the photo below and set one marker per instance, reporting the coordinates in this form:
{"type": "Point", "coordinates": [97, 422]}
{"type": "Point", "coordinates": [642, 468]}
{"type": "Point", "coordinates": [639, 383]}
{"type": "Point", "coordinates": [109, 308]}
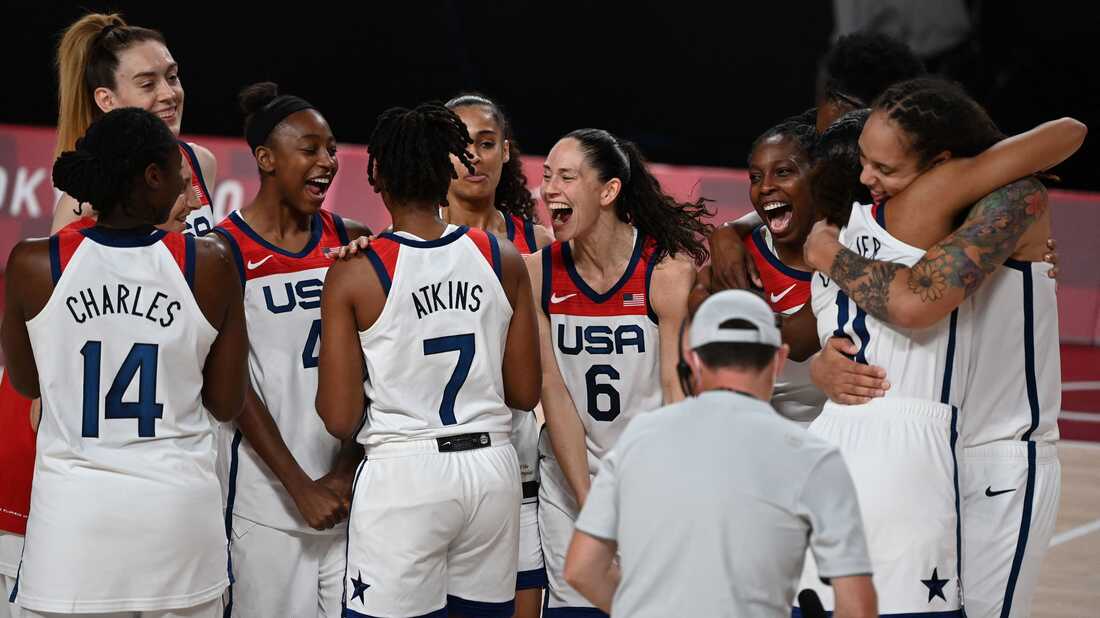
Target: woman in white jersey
{"type": "Point", "coordinates": [494, 197]}
{"type": "Point", "coordinates": [437, 322]}
{"type": "Point", "coordinates": [1009, 472]}
{"type": "Point", "coordinates": [613, 289]}
{"type": "Point", "coordinates": [103, 63]}
{"type": "Point", "coordinates": [289, 482]}
{"type": "Point", "coordinates": [129, 335]}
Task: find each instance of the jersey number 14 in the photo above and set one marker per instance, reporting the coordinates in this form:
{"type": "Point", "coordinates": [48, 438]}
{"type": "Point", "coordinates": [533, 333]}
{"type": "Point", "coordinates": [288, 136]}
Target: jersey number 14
{"type": "Point", "coordinates": [141, 363]}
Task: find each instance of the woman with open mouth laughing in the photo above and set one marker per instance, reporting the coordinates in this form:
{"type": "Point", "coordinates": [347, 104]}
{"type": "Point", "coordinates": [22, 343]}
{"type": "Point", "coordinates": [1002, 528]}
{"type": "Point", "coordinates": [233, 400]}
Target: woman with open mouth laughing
{"type": "Point", "coordinates": [614, 288]}
{"type": "Point", "coordinates": [289, 481]}
{"type": "Point", "coordinates": [103, 63]}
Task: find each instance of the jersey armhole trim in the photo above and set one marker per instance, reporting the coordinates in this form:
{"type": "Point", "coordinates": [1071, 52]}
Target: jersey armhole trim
{"type": "Point", "coordinates": [650, 265]}
{"type": "Point", "coordinates": [196, 169]}
{"type": "Point", "coordinates": [236, 250]}
{"type": "Point", "coordinates": [189, 261]}
{"type": "Point", "coordinates": [494, 249]}
{"type": "Point", "coordinates": [341, 229]}
{"type": "Point", "coordinates": [529, 235]}
{"type": "Point", "coordinates": [55, 258]}
{"type": "Point", "coordinates": [547, 276]}
{"type": "Point", "coordinates": [380, 270]}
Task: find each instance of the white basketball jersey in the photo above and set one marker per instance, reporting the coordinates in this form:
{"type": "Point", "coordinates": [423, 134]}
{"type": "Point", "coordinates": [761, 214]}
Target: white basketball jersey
{"type": "Point", "coordinates": [434, 357]}
{"type": "Point", "coordinates": [1015, 385]}
{"type": "Point", "coordinates": [607, 346]}
{"type": "Point", "coordinates": [929, 363]}
{"type": "Point", "coordinates": [282, 305]}
{"type": "Point", "coordinates": [201, 220]}
{"type": "Point", "coordinates": [125, 506]}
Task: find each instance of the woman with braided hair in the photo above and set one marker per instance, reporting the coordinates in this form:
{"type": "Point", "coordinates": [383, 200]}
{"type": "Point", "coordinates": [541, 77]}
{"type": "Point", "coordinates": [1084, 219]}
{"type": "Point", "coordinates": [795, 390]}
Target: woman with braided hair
{"type": "Point", "coordinates": [435, 322]}
{"type": "Point", "coordinates": [134, 339]}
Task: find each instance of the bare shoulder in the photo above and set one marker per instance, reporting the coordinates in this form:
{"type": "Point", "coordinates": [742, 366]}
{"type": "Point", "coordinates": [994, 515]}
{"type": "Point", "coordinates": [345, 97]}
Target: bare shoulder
{"type": "Point", "coordinates": [673, 268]}
{"type": "Point", "coordinates": [543, 236]}
{"type": "Point", "coordinates": [28, 257]}
{"type": "Point", "coordinates": [356, 229]}
{"type": "Point", "coordinates": [213, 254]}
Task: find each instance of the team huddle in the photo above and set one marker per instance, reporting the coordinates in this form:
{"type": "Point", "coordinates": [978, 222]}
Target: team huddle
{"type": "Point", "coordinates": [285, 413]}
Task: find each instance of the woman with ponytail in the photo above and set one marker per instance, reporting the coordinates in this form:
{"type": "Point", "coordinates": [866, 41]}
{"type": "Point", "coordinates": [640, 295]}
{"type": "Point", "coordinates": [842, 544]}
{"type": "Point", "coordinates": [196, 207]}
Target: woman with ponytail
{"type": "Point", "coordinates": [103, 63]}
{"type": "Point", "coordinates": [613, 289]}
{"type": "Point", "coordinates": [143, 331]}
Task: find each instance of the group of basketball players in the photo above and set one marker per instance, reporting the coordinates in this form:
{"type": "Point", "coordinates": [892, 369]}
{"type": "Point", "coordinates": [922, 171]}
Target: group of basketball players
{"type": "Point", "coordinates": [390, 463]}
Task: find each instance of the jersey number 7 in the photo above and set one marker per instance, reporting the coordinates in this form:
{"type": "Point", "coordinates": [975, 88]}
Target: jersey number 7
{"type": "Point", "coordinates": [141, 362]}
{"type": "Point", "coordinates": [464, 345]}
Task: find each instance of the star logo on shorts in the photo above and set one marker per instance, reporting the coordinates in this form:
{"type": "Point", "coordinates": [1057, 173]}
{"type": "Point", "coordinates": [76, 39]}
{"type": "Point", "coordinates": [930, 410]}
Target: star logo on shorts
{"type": "Point", "coordinates": [360, 587]}
{"type": "Point", "coordinates": [935, 585]}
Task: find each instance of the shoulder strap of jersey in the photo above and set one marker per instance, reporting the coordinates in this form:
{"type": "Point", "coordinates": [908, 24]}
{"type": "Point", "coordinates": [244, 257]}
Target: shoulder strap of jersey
{"type": "Point", "coordinates": [338, 224]}
{"type": "Point", "coordinates": [489, 247]}
{"type": "Point", "coordinates": [649, 255]}
{"type": "Point", "coordinates": [234, 247]}
{"type": "Point", "coordinates": [878, 211]}
{"type": "Point", "coordinates": [63, 245]}
{"type": "Point", "coordinates": [197, 179]}
{"type": "Point", "coordinates": [549, 256]}
{"type": "Point", "coordinates": [382, 254]}
{"type": "Point", "coordinates": [515, 223]}
{"type": "Point", "coordinates": [182, 248]}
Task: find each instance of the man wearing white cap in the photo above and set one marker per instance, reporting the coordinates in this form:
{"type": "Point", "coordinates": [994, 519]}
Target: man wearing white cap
{"type": "Point", "coordinates": [712, 502]}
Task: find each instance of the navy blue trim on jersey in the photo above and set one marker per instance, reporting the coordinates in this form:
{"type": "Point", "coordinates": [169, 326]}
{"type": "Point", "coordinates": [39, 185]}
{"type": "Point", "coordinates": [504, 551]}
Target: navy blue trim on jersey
{"type": "Point", "coordinates": [485, 609]}
{"type": "Point", "coordinates": [494, 250]}
{"type": "Point", "coordinates": [571, 269]}
{"type": "Point", "coordinates": [379, 269]}
{"type": "Point", "coordinates": [445, 239]}
{"type": "Point", "coordinates": [316, 226]}
{"type": "Point", "coordinates": [55, 258]}
{"type": "Point", "coordinates": [762, 246]}
{"type": "Point", "coordinates": [953, 613]}
{"type": "Point", "coordinates": [143, 236]}
{"type": "Point", "coordinates": [1025, 528]}
{"type": "Point", "coordinates": [547, 278]}
{"type": "Point", "coordinates": [880, 213]}
{"type": "Point", "coordinates": [954, 441]}
{"type": "Point", "coordinates": [196, 169]}
{"type": "Point", "coordinates": [949, 364]}
{"type": "Point", "coordinates": [531, 580]}
{"type": "Point", "coordinates": [859, 326]}
{"type": "Point", "coordinates": [341, 229]}
{"type": "Point", "coordinates": [510, 228]}
{"type": "Point", "coordinates": [529, 235]}
{"type": "Point", "coordinates": [189, 261]}
{"type": "Point", "coordinates": [1029, 353]}
{"type": "Point", "coordinates": [347, 534]}
{"type": "Point", "coordinates": [1018, 265]}
{"type": "Point", "coordinates": [230, 498]}
{"type": "Point", "coordinates": [439, 613]}
{"type": "Point", "coordinates": [650, 265]}
{"type": "Point", "coordinates": [570, 612]}
{"type": "Point", "coordinates": [235, 249]}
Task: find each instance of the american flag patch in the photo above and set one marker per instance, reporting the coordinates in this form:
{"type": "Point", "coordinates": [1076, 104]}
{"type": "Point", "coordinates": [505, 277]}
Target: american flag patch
{"type": "Point", "coordinates": [633, 300]}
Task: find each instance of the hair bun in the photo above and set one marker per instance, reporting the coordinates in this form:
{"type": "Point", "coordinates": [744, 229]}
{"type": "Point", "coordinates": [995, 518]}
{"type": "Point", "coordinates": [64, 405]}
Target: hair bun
{"type": "Point", "coordinates": [255, 96]}
{"type": "Point", "coordinates": [80, 174]}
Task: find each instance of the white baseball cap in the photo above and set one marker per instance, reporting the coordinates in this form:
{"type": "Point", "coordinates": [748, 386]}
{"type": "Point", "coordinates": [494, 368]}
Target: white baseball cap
{"type": "Point", "coordinates": [706, 326]}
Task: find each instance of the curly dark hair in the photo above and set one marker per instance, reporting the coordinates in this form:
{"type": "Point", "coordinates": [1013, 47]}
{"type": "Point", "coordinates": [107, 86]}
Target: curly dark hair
{"type": "Point", "coordinates": [675, 226]}
{"type": "Point", "coordinates": [796, 128]}
{"type": "Point", "coordinates": [834, 183]}
{"type": "Point", "coordinates": [410, 152]}
{"type": "Point", "coordinates": [112, 157]}
{"type": "Point", "coordinates": [512, 196]}
{"type": "Point", "coordinates": [859, 66]}
{"type": "Point", "coordinates": [938, 115]}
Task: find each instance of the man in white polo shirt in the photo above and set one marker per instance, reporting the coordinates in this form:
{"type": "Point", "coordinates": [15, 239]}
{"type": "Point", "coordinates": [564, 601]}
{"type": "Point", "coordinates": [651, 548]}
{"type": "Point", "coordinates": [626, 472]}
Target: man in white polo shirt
{"type": "Point", "coordinates": [711, 503]}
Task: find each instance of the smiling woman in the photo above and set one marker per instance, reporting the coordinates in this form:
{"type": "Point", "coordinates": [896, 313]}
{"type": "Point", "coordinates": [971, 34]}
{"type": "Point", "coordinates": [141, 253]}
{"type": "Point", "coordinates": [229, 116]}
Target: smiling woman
{"type": "Point", "coordinates": [104, 64]}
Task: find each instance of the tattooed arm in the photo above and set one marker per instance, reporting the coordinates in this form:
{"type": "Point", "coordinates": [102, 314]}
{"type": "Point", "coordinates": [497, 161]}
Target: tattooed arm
{"type": "Point", "coordinates": [949, 272]}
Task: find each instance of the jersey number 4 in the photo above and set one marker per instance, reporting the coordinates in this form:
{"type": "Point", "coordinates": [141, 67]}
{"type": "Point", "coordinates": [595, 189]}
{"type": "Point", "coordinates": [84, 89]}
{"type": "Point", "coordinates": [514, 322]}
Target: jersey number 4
{"type": "Point", "coordinates": [141, 362]}
{"type": "Point", "coordinates": [464, 345]}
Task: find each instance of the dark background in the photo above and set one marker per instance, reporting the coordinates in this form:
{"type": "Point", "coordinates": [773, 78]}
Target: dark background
{"type": "Point", "coordinates": [692, 83]}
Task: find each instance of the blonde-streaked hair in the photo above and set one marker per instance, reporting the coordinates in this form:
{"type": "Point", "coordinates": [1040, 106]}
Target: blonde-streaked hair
{"type": "Point", "coordinates": [87, 58]}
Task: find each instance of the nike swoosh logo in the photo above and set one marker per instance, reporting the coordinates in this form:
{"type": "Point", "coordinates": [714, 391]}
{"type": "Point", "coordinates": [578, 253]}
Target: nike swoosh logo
{"type": "Point", "coordinates": [778, 297]}
{"type": "Point", "coordinates": [989, 491]}
{"type": "Point", "coordinates": [555, 299]}
{"type": "Point", "coordinates": [254, 265]}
